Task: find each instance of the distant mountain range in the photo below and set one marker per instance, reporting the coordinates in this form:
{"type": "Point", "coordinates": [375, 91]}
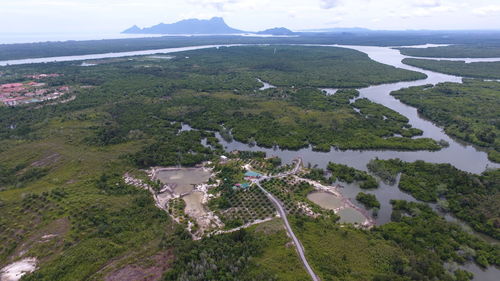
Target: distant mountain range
{"type": "Point", "coordinates": [277, 31]}
{"type": "Point", "coordinates": [339, 29]}
{"type": "Point", "coordinates": [215, 25]}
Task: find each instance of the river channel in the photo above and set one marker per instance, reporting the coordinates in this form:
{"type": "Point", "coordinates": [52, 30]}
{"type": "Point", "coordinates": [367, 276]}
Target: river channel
{"type": "Point", "coordinates": [463, 156]}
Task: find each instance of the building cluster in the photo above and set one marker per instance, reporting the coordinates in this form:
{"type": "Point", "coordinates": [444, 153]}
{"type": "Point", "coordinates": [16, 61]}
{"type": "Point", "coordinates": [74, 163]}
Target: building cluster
{"type": "Point", "coordinates": [13, 94]}
{"type": "Point", "coordinates": [42, 76]}
{"type": "Point", "coordinates": [249, 176]}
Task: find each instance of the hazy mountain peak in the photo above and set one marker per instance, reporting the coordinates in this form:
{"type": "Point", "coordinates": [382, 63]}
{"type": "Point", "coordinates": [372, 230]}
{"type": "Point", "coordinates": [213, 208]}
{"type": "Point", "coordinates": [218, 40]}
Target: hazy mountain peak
{"type": "Point", "coordinates": [215, 25]}
{"type": "Point", "coordinates": [277, 31]}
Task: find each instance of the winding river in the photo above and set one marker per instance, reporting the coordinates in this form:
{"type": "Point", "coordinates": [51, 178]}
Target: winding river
{"type": "Point", "coordinates": [463, 156]}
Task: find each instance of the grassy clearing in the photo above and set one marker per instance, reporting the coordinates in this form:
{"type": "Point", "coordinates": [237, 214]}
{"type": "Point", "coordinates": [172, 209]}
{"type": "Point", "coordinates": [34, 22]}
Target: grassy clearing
{"type": "Point", "coordinates": [346, 253]}
{"type": "Point", "coordinates": [279, 255]}
{"type": "Point", "coordinates": [98, 225]}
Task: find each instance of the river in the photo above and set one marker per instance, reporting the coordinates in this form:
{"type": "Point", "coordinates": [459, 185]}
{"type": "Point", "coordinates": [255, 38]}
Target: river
{"type": "Point", "coordinates": [109, 55]}
{"type": "Point", "coordinates": [463, 156]}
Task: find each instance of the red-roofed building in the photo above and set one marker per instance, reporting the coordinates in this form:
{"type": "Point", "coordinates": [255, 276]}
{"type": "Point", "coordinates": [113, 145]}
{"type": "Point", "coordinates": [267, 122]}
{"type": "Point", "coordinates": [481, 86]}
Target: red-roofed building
{"type": "Point", "coordinates": [43, 75]}
{"type": "Point", "coordinates": [11, 85]}
{"type": "Point", "coordinates": [13, 90]}
{"type": "Point", "coordinates": [13, 101]}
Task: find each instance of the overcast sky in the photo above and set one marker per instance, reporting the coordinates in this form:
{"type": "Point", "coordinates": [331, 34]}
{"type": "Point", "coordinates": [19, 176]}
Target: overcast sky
{"type": "Point", "coordinates": [86, 16]}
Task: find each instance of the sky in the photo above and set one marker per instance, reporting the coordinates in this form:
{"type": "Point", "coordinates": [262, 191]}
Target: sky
{"type": "Point", "coordinates": [112, 16]}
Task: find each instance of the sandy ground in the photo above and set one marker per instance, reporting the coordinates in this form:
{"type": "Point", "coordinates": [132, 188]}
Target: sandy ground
{"type": "Point", "coordinates": [325, 200]}
{"type": "Point", "coordinates": [16, 270]}
{"type": "Point", "coordinates": [246, 225]}
{"type": "Point", "coordinates": [195, 199]}
{"type": "Point", "coordinates": [181, 180]}
{"type": "Point", "coordinates": [149, 271]}
{"type": "Point", "coordinates": [197, 196]}
{"type": "Point", "coordinates": [346, 204]}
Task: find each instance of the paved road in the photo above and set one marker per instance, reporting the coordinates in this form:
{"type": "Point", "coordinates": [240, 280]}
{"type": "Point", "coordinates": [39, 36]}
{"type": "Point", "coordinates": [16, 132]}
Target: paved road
{"type": "Point", "coordinates": [281, 211]}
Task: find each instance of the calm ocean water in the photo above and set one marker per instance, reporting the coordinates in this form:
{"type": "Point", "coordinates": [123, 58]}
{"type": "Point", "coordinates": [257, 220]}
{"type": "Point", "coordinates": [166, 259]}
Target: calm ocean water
{"type": "Point", "coordinates": [11, 38]}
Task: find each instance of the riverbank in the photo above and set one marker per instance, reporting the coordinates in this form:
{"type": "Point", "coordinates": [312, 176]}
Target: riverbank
{"type": "Point", "coordinates": [345, 203]}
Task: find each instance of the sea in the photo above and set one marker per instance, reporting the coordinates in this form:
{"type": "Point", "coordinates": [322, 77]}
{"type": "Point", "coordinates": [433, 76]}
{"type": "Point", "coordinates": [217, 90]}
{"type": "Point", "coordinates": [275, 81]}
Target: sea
{"type": "Point", "coordinates": [17, 38]}
{"type": "Point", "coordinates": [13, 38]}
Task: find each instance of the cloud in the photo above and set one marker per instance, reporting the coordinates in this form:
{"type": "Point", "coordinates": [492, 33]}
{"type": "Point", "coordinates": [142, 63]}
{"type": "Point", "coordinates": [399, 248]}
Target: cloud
{"type": "Point", "coordinates": [328, 4]}
{"type": "Point", "coordinates": [427, 3]}
{"type": "Point", "coordinates": [487, 10]}
{"type": "Point", "coordinates": [219, 5]}
{"type": "Point", "coordinates": [426, 8]}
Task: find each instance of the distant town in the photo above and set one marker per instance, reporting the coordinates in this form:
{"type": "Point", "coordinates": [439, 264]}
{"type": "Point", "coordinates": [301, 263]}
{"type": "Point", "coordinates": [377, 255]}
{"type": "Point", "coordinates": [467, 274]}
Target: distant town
{"type": "Point", "coordinates": [32, 91]}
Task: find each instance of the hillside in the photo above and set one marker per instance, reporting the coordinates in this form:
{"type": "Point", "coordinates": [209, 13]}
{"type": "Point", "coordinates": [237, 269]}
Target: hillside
{"type": "Point", "coordinates": [277, 31]}
{"type": "Point", "coordinates": [214, 25]}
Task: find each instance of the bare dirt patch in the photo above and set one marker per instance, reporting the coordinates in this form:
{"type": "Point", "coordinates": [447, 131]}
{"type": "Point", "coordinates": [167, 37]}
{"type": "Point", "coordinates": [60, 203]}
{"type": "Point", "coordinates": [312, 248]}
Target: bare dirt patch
{"type": "Point", "coordinates": [270, 227]}
{"type": "Point", "coordinates": [47, 160]}
{"type": "Point", "coordinates": [157, 265]}
{"type": "Point", "coordinates": [182, 180]}
{"type": "Point", "coordinates": [16, 270]}
{"type": "Point", "coordinates": [53, 232]}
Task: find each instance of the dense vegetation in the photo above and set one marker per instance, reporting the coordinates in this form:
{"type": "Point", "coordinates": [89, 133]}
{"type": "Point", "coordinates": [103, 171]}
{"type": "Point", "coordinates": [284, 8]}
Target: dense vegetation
{"type": "Point", "coordinates": [223, 257]}
{"type": "Point", "coordinates": [339, 172]}
{"type": "Point", "coordinates": [486, 70]}
{"type": "Point", "coordinates": [346, 253]}
{"type": "Point", "coordinates": [402, 250]}
{"type": "Point", "coordinates": [218, 87]}
{"type": "Point", "coordinates": [347, 174]}
{"type": "Point", "coordinates": [417, 228]}
{"type": "Point", "coordinates": [19, 176]}
{"type": "Point", "coordinates": [63, 165]}
{"type": "Point", "coordinates": [455, 51]}
{"type": "Point", "coordinates": [288, 66]}
{"type": "Point", "coordinates": [50, 49]}
{"type": "Point", "coordinates": [369, 200]}
{"type": "Point", "coordinates": [472, 198]}
{"type": "Point", "coordinates": [468, 111]}
{"type": "Point", "coordinates": [253, 254]}
{"type": "Point", "coordinates": [183, 149]}
{"type": "Point", "coordinates": [90, 232]}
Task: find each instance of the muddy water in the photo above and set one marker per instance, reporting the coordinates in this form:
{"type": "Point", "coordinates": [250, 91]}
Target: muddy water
{"type": "Point", "coordinates": [183, 180]}
{"type": "Point", "coordinates": [466, 60]}
{"type": "Point", "coordinates": [385, 193]}
{"type": "Point", "coordinates": [325, 200]}
{"type": "Point", "coordinates": [329, 91]}
{"type": "Point", "coordinates": [194, 207]}
{"type": "Point", "coordinates": [490, 274]}
{"type": "Point", "coordinates": [351, 215]}
{"type": "Point", "coordinates": [109, 55]}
